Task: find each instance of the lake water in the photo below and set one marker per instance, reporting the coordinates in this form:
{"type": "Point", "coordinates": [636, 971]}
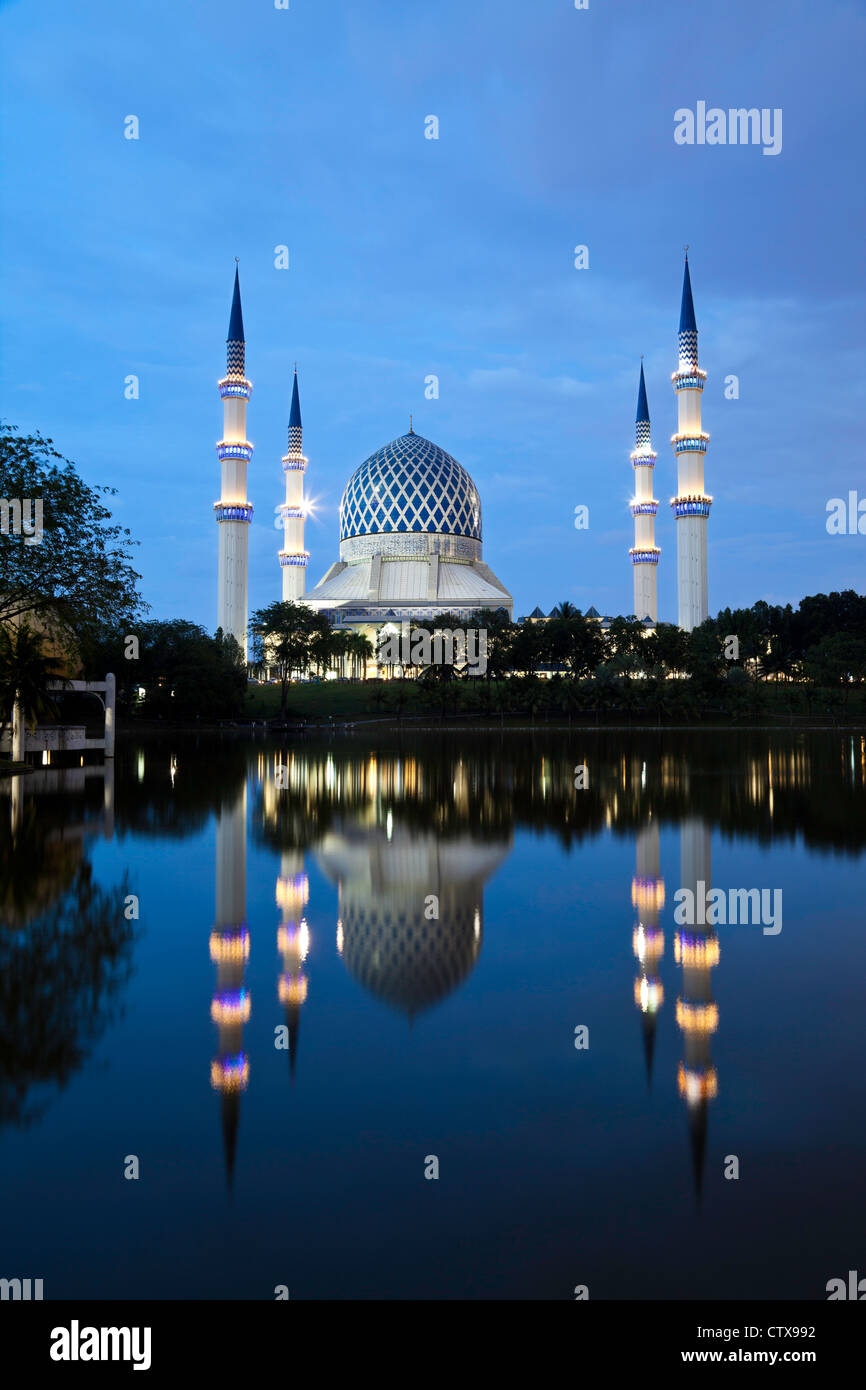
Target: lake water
{"type": "Point", "coordinates": [355, 956]}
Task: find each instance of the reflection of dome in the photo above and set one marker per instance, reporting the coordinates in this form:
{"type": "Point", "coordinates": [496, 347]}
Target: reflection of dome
{"type": "Point", "coordinates": [388, 944]}
{"type": "Point", "coordinates": [410, 485]}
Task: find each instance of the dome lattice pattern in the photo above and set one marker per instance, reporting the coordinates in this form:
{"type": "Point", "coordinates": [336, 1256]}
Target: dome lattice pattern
{"type": "Point", "coordinates": [410, 485]}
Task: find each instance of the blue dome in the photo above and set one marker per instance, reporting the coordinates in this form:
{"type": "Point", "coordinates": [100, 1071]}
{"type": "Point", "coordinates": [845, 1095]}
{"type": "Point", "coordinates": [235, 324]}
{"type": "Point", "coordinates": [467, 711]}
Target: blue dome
{"type": "Point", "coordinates": [410, 485]}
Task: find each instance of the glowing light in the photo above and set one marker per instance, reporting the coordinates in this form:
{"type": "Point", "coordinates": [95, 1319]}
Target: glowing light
{"type": "Point", "coordinates": [649, 995]}
{"type": "Point", "coordinates": [230, 1073]}
{"type": "Point", "coordinates": [293, 990]}
{"type": "Point", "coordinates": [226, 946]}
{"type": "Point", "coordinates": [697, 1018]}
{"type": "Point", "coordinates": [700, 951]}
{"type": "Point", "coordinates": [233, 1007]}
{"type": "Point", "coordinates": [648, 943]}
{"type": "Point", "coordinates": [697, 1085]}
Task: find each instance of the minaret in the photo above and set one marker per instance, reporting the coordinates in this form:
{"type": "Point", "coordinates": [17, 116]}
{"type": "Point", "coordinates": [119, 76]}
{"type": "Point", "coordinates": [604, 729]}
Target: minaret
{"type": "Point", "coordinates": [645, 552]}
{"type": "Point", "coordinates": [233, 512]}
{"type": "Point", "coordinates": [293, 557]}
{"type": "Point", "coordinates": [648, 943]}
{"type": "Point", "coordinates": [691, 506]}
{"type": "Point", "coordinates": [229, 950]}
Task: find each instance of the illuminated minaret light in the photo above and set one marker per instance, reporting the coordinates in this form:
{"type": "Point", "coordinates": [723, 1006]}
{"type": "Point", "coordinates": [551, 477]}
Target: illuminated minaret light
{"type": "Point", "coordinates": [293, 557]}
{"type": "Point", "coordinates": [293, 943]}
{"type": "Point", "coordinates": [696, 950]}
{"type": "Point", "coordinates": [645, 553]}
{"type": "Point", "coordinates": [648, 943]}
{"type": "Point", "coordinates": [691, 506]}
{"type": "Point", "coordinates": [229, 950]}
{"type": "Point", "coordinates": [233, 512]}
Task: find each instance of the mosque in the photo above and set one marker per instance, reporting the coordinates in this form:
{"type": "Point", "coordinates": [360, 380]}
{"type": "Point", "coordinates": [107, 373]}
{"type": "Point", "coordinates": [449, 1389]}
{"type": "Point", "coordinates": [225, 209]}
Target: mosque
{"type": "Point", "coordinates": [410, 516]}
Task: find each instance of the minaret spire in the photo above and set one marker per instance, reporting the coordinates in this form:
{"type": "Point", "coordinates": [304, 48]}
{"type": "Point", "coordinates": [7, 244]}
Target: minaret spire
{"type": "Point", "coordinates": [691, 506]}
{"type": "Point", "coordinates": [293, 557]}
{"type": "Point", "coordinates": [233, 511]}
{"type": "Point", "coordinates": [644, 553]}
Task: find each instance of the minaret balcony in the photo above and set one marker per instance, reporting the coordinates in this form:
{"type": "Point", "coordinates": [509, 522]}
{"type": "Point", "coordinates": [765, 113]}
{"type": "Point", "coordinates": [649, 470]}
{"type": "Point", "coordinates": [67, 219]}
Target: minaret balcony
{"type": "Point", "coordinates": [691, 506]}
{"type": "Point", "coordinates": [690, 443]}
{"type": "Point", "coordinates": [294, 557]}
{"type": "Point", "coordinates": [290, 513]}
{"type": "Point", "coordinates": [233, 511]}
{"type": "Point", "coordinates": [294, 463]}
{"type": "Point", "coordinates": [649, 995]}
{"type": "Point", "coordinates": [645, 508]}
{"type": "Point", "coordinates": [234, 449]}
{"type": "Point", "coordinates": [648, 556]}
{"type": "Point", "coordinates": [643, 458]}
{"type": "Point", "coordinates": [688, 377]}
{"type": "Point", "coordinates": [235, 386]}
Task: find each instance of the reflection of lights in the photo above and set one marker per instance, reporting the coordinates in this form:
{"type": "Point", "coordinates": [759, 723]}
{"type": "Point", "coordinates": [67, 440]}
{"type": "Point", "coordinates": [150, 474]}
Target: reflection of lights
{"type": "Point", "coordinates": [172, 767]}
{"type": "Point", "coordinates": [693, 950]}
{"type": "Point", "coordinates": [476, 923]}
{"type": "Point", "coordinates": [697, 1085]}
{"type": "Point", "coordinates": [293, 990]}
{"type": "Point", "coordinates": [697, 1018]}
{"type": "Point", "coordinates": [294, 940]}
{"type": "Point", "coordinates": [230, 1073]}
{"type": "Point", "coordinates": [139, 767]}
{"type": "Point", "coordinates": [339, 936]}
{"type": "Point", "coordinates": [649, 995]}
{"type": "Point", "coordinates": [46, 757]}
{"type": "Point", "coordinates": [230, 945]}
{"type": "Point", "coordinates": [293, 893]}
{"type": "Point", "coordinates": [231, 1007]}
{"type": "Point", "coordinates": [389, 825]}
{"type": "Point", "coordinates": [647, 895]}
{"type": "Point", "coordinates": [647, 942]}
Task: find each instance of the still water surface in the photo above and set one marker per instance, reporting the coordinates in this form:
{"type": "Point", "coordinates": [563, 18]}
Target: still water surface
{"type": "Point", "coordinates": [305, 915]}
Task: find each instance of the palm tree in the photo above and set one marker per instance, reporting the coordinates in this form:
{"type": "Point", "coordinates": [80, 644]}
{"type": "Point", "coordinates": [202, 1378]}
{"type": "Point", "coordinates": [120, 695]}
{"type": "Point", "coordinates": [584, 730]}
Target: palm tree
{"type": "Point", "coordinates": [25, 673]}
{"type": "Point", "coordinates": [360, 649]}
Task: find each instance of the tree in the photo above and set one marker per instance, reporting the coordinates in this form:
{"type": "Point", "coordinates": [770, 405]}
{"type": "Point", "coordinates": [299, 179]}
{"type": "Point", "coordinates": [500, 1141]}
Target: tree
{"type": "Point", "coordinates": [78, 575]}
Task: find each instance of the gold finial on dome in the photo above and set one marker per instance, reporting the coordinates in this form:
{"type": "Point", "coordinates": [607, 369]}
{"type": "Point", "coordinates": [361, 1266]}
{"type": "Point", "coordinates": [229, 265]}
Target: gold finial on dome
{"type": "Point", "coordinates": [411, 427]}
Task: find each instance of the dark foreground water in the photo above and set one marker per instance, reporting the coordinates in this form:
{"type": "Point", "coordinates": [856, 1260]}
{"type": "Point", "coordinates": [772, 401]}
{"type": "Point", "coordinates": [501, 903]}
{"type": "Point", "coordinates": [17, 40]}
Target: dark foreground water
{"type": "Point", "coordinates": [332, 982]}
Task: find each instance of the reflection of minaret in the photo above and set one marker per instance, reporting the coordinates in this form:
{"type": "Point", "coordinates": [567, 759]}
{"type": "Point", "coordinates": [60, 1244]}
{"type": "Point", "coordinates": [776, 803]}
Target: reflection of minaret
{"type": "Point", "coordinates": [293, 942]}
{"type": "Point", "coordinates": [696, 949]}
{"type": "Point", "coordinates": [648, 898]}
{"type": "Point", "coordinates": [230, 949]}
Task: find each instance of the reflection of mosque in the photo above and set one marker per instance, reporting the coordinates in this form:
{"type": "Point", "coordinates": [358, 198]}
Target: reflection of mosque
{"type": "Point", "coordinates": [391, 881]}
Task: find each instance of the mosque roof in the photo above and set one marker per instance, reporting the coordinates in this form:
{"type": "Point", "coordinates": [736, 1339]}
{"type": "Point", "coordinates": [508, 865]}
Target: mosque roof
{"type": "Point", "coordinates": [410, 485]}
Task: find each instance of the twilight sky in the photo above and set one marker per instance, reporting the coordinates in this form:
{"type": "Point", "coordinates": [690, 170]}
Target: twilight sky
{"type": "Point", "coordinates": [455, 257]}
